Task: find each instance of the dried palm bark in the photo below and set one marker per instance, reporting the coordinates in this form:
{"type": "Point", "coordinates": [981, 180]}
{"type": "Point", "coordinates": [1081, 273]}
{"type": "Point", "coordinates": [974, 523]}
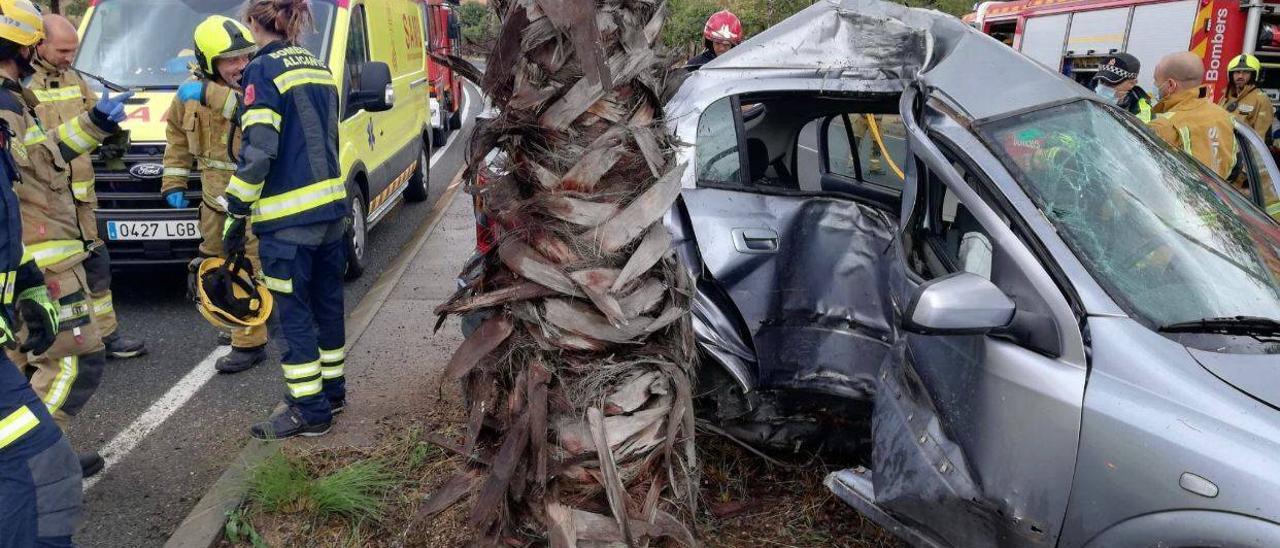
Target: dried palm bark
{"type": "Point", "coordinates": [578, 384]}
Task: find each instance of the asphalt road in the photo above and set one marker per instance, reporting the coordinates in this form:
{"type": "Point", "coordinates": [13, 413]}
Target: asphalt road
{"type": "Point", "coordinates": [167, 425]}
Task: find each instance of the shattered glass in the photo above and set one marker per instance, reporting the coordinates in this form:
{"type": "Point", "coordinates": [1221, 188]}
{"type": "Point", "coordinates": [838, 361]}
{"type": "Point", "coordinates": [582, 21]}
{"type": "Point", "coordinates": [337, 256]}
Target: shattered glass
{"type": "Point", "coordinates": [1167, 240]}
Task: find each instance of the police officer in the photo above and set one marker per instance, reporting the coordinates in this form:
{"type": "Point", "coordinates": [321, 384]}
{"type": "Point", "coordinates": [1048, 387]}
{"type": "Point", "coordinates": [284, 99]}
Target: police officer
{"type": "Point", "coordinates": [1117, 82]}
{"type": "Point", "coordinates": [67, 374]}
{"type": "Point", "coordinates": [1243, 98]}
{"type": "Point", "coordinates": [201, 134]}
{"type": "Point", "coordinates": [1187, 119]}
{"type": "Point", "coordinates": [40, 491]}
{"type": "Point", "coordinates": [63, 95]}
{"type": "Point", "coordinates": [720, 34]}
{"type": "Point", "coordinates": [289, 183]}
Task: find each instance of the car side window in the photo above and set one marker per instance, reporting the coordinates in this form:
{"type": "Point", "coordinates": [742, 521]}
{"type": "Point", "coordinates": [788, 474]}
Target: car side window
{"type": "Point", "coordinates": [945, 235]}
{"type": "Point", "coordinates": [1254, 179]}
{"type": "Point", "coordinates": [867, 148]}
{"type": "Point", "coordinates": [718, 161]}
{"type": "Point", "coordinates": [357, 53]}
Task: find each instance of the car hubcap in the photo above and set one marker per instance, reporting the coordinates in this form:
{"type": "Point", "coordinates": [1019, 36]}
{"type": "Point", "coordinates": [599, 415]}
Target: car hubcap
{"type": "Point", "coordinates": [357, 227]}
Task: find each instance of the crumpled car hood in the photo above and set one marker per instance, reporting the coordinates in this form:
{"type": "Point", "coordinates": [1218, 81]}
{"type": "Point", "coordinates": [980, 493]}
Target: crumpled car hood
{"type": "Point", "coordinates": [1253, 374]}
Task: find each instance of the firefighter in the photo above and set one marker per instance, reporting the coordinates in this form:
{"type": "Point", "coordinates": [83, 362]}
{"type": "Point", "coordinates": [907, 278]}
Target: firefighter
{"type": "Point", "coordinates": [722, 32]}
{"type": "Point", "coordinates": [289, 184]}
{"type": "Point", "coordinates": [40, 478]}
{"type": "Point", "coordinates": [1187, 119]}
{"type": "Point", "coordinates": [63, 95]}
{"type": "Point", "coordinates": [67, 374]}
{"type": "Point", "coordinates": [887, 126]}
{"type": "Point", "coordinates": [1117, 82]}
{"type": "Point", "coordinates": [201, 133]}
{"type": "Point", "coordinates": [1243, 98]}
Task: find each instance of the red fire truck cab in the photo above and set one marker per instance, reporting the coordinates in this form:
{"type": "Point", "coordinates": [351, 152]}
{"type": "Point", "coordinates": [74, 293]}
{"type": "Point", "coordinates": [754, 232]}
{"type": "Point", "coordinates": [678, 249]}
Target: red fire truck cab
{"type": "Point", "coordinates": [443, 34]}
{"type": "Point", "coordinates": [1073, 36]}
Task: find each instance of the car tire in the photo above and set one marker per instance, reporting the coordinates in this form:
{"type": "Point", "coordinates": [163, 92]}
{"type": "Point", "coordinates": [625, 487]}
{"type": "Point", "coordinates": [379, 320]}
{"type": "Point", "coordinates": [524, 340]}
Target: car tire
{"type": "Point", "coordinates": [357, 234]}
{"type": "Point", "coordinates": [419, 183]}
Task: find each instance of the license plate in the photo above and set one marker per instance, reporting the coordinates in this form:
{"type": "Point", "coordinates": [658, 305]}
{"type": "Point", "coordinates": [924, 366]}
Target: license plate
{"type": "Point", "coordinates": [153, 230]}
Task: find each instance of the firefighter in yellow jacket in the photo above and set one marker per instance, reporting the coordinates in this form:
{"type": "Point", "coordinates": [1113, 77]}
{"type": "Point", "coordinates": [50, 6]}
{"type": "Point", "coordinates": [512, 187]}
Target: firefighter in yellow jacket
{"type": "Point", "coordinates": [1187, 119]}
{"type": "Point", "coordinates": [201, 134]}
{"type": "Point", "coordinates": [66, 375]}
{"type": "Point", "coordinates": [1243, 98]}
{"type": "Point", "coordinates": [63, 95]}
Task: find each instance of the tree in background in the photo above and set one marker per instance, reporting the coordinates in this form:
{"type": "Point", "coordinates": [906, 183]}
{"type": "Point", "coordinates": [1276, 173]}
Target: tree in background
{"type": "Point", "coordinates": [70, 8]}
{"type": "Point", "coordinates": [478, 26]}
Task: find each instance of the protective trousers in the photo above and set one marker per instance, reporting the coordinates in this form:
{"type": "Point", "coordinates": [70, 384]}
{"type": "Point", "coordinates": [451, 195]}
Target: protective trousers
{"type": "Point", "coordinates": [97, 267]}
{"type": "Point", "coordinates": [68, 374]}
{"type": "Point", "coordinates": [41, 498]}
{"type": "Point", "coordinates": [306, 284]}
{"type": "Point", "coordinates": [211, 221]}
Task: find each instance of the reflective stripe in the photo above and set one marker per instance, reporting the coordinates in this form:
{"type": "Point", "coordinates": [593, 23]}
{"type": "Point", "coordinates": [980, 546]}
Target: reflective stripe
{"type": "Point", "coordinates": [229, 106]}
{"type": "Point", "coordinates": [8, 280]}
{"type": "Point", "coordinates": [103, 306]}
{"type": "Point", "coordinates": [1273, 209]}
{"type": "Point", "coordinates": [301, 371]}
{"type": "Point", "coordinates": [81, 189]}
{"type": "Point", "coordinates": [216, 164]}
{"type": "Point", "coordinates": [16, 425]}
{"type": "Point", "coordinates": [54, 95]}
{"type": "Point", "coordinates": [61, 388]}
{"type": "Point", "coordinates": [35, 135]}
{"type": "Point", "coordinates": [331, 372]}
{"type": "Point", "coordinates": [299, 77]}
{"type": "Point", "coordinates": [52, 252]}
{"type": "Point", "coordinates": [1185, 134]}
{"type": "Point", "coordinates": [177, 172]}
{"type": "Point", "coordinates": [264, 116]}
{"type": "Point", "coordinates": [304, 389]}
{"type": "Point", "coordinates": [73, 135]}
{"type": "Point", "coordinates": [299, 200]}
{"type": "Point", "coordinates": [332, 356]}
{"type": "Point", "coordinates": [278, 285]}
{"type": "Point", "coordinates": [243, 190]}
{"type": "Point", "coordinates": [67, 313]}
{"type": "Point", "coordinates": [1144, 110]}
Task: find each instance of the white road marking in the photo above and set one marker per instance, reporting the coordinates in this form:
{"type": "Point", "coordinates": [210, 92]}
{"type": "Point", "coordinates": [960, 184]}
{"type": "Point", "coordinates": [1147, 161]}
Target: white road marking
{"type": "Point", "coordinates": [167, 405]}
{"type": "Point", "coordinates": [128, 439]}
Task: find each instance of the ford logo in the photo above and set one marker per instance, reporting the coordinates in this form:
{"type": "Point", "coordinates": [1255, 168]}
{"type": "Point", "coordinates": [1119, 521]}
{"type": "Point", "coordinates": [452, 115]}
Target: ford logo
{"type": "Point", "coordinates": [146, 171]}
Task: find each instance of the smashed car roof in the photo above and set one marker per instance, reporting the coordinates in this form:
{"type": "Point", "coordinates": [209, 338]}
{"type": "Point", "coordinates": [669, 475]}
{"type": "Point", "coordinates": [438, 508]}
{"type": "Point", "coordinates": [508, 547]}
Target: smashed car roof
{"type": "Point", "coordinates": [872, 41]}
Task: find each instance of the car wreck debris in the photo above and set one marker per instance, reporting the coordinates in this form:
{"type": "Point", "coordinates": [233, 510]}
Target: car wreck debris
{"type": "Point", "coordinates": [578, 382]}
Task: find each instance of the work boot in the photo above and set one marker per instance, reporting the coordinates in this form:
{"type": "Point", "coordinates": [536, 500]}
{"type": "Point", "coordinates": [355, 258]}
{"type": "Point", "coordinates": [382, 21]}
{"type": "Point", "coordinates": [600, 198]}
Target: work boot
{"type": "Point", "coordinates": [288, 423]}
{"type": "Point", "coordinates": [91, 463]}
{"type": "Point", "coordinates": [121, 347]}
{"type": "Point", "coordinates": [224, 338]}
{"type": "Point", "coordinates": [336, 406]}
{"type": "Point", "coordinates": [241, 359]}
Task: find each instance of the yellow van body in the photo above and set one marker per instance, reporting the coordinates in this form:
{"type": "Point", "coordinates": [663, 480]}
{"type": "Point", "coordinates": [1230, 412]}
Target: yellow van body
{"type": "Point", "coordinates": [146, 45]}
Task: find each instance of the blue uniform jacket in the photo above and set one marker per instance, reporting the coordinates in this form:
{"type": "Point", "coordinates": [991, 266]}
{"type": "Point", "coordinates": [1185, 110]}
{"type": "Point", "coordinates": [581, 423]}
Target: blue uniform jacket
{"type": "Point", "coordinates": [288, 173]}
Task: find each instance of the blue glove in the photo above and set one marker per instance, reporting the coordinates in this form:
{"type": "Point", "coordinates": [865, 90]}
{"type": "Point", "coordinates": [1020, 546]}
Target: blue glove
{"type": "Point", "coordinates": [177, 200]}
{"type": "Point", "coordinates": [113, 107]}
{"type": "Point", "coordinates": [191, 91]}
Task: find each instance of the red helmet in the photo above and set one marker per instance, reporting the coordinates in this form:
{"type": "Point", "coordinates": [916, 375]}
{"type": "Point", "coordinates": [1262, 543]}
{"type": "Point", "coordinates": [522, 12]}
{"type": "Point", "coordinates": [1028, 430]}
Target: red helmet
{"type": "Point", "coordinates": [723, 27]}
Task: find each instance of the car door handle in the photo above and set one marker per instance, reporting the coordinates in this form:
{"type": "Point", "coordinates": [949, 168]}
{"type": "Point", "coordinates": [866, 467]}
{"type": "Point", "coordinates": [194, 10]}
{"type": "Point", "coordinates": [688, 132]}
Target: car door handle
{"type": "Point", "coordinates": [755, 240]}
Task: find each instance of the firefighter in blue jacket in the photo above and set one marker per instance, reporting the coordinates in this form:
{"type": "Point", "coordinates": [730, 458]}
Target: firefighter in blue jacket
{"type": "Point", "coordinates": [40, 492]}
{"type": "Point", "coordinates": [289, 184]}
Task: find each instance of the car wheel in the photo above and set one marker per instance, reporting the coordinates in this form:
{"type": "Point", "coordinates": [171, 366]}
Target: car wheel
{"type": "Point", "coordinates": [419, 182]}
{"type": "Point", "coordinates": [357, 234]}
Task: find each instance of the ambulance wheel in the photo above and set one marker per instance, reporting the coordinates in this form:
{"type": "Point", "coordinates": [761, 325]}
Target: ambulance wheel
{"type": "Point", "coordinates": [417, 189]}
{"type": "Point", "coordinates": [357, 234]}
{"type": "Point", "coordinates": [438, 137]}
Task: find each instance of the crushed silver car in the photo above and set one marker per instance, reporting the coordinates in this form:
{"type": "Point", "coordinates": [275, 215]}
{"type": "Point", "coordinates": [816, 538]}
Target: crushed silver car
{"type": "Point", "coordinates": [1049, 329]}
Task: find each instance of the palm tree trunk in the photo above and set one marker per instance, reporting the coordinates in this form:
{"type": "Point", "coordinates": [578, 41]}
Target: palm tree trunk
{"type": "Point", "coordinates": [578, 384]}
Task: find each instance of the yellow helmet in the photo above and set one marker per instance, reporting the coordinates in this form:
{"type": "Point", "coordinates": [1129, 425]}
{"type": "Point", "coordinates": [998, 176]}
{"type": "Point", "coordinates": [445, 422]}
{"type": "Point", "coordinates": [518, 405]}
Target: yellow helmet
{"type": "Point", "coordinates": [227, 293]}
{"type": "Point", "coordinates": [218, 37]}
{"type": "Point", "coordinates": [1245, 62]}
{"type": "Point", "coordinates": [20, 22]}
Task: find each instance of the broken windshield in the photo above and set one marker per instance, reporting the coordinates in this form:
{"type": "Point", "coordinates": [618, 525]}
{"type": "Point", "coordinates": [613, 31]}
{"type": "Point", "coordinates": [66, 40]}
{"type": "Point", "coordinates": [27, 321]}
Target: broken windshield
{"type": "Point", "coordinates": [148, 43]}
{"type": "Point", "coordinates": [1166, 239]}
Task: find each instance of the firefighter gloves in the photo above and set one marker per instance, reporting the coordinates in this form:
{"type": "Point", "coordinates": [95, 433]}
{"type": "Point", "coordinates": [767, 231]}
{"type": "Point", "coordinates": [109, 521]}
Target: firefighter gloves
{"type": "Point", "coordinates": [40, 315]}
{"type": "Point", "coordinates": [233, 234]}
{"type": "Point", "coordinates": [191, 91]}
{"type": "Point", "coordinates": [177, 200]}
{"type": "Point", "coordinates": [113, 107]}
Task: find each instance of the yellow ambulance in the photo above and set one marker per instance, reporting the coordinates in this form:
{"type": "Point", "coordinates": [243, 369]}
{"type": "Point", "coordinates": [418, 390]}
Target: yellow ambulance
{"type": "Point", "coordinates": [147, 45]}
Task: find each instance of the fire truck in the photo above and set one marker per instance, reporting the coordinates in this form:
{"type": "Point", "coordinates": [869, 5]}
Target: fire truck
{"type": "Point", "coordinates": [443, 33]}
{"type": "Point", "coordinates": [1073, 36]}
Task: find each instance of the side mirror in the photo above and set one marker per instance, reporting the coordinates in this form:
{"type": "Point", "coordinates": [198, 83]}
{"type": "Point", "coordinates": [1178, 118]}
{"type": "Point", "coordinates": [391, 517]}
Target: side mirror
{"type": "Point", "coordinates": [374, 92]}
{"type": "Point", "coordinates": [958, 304]}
